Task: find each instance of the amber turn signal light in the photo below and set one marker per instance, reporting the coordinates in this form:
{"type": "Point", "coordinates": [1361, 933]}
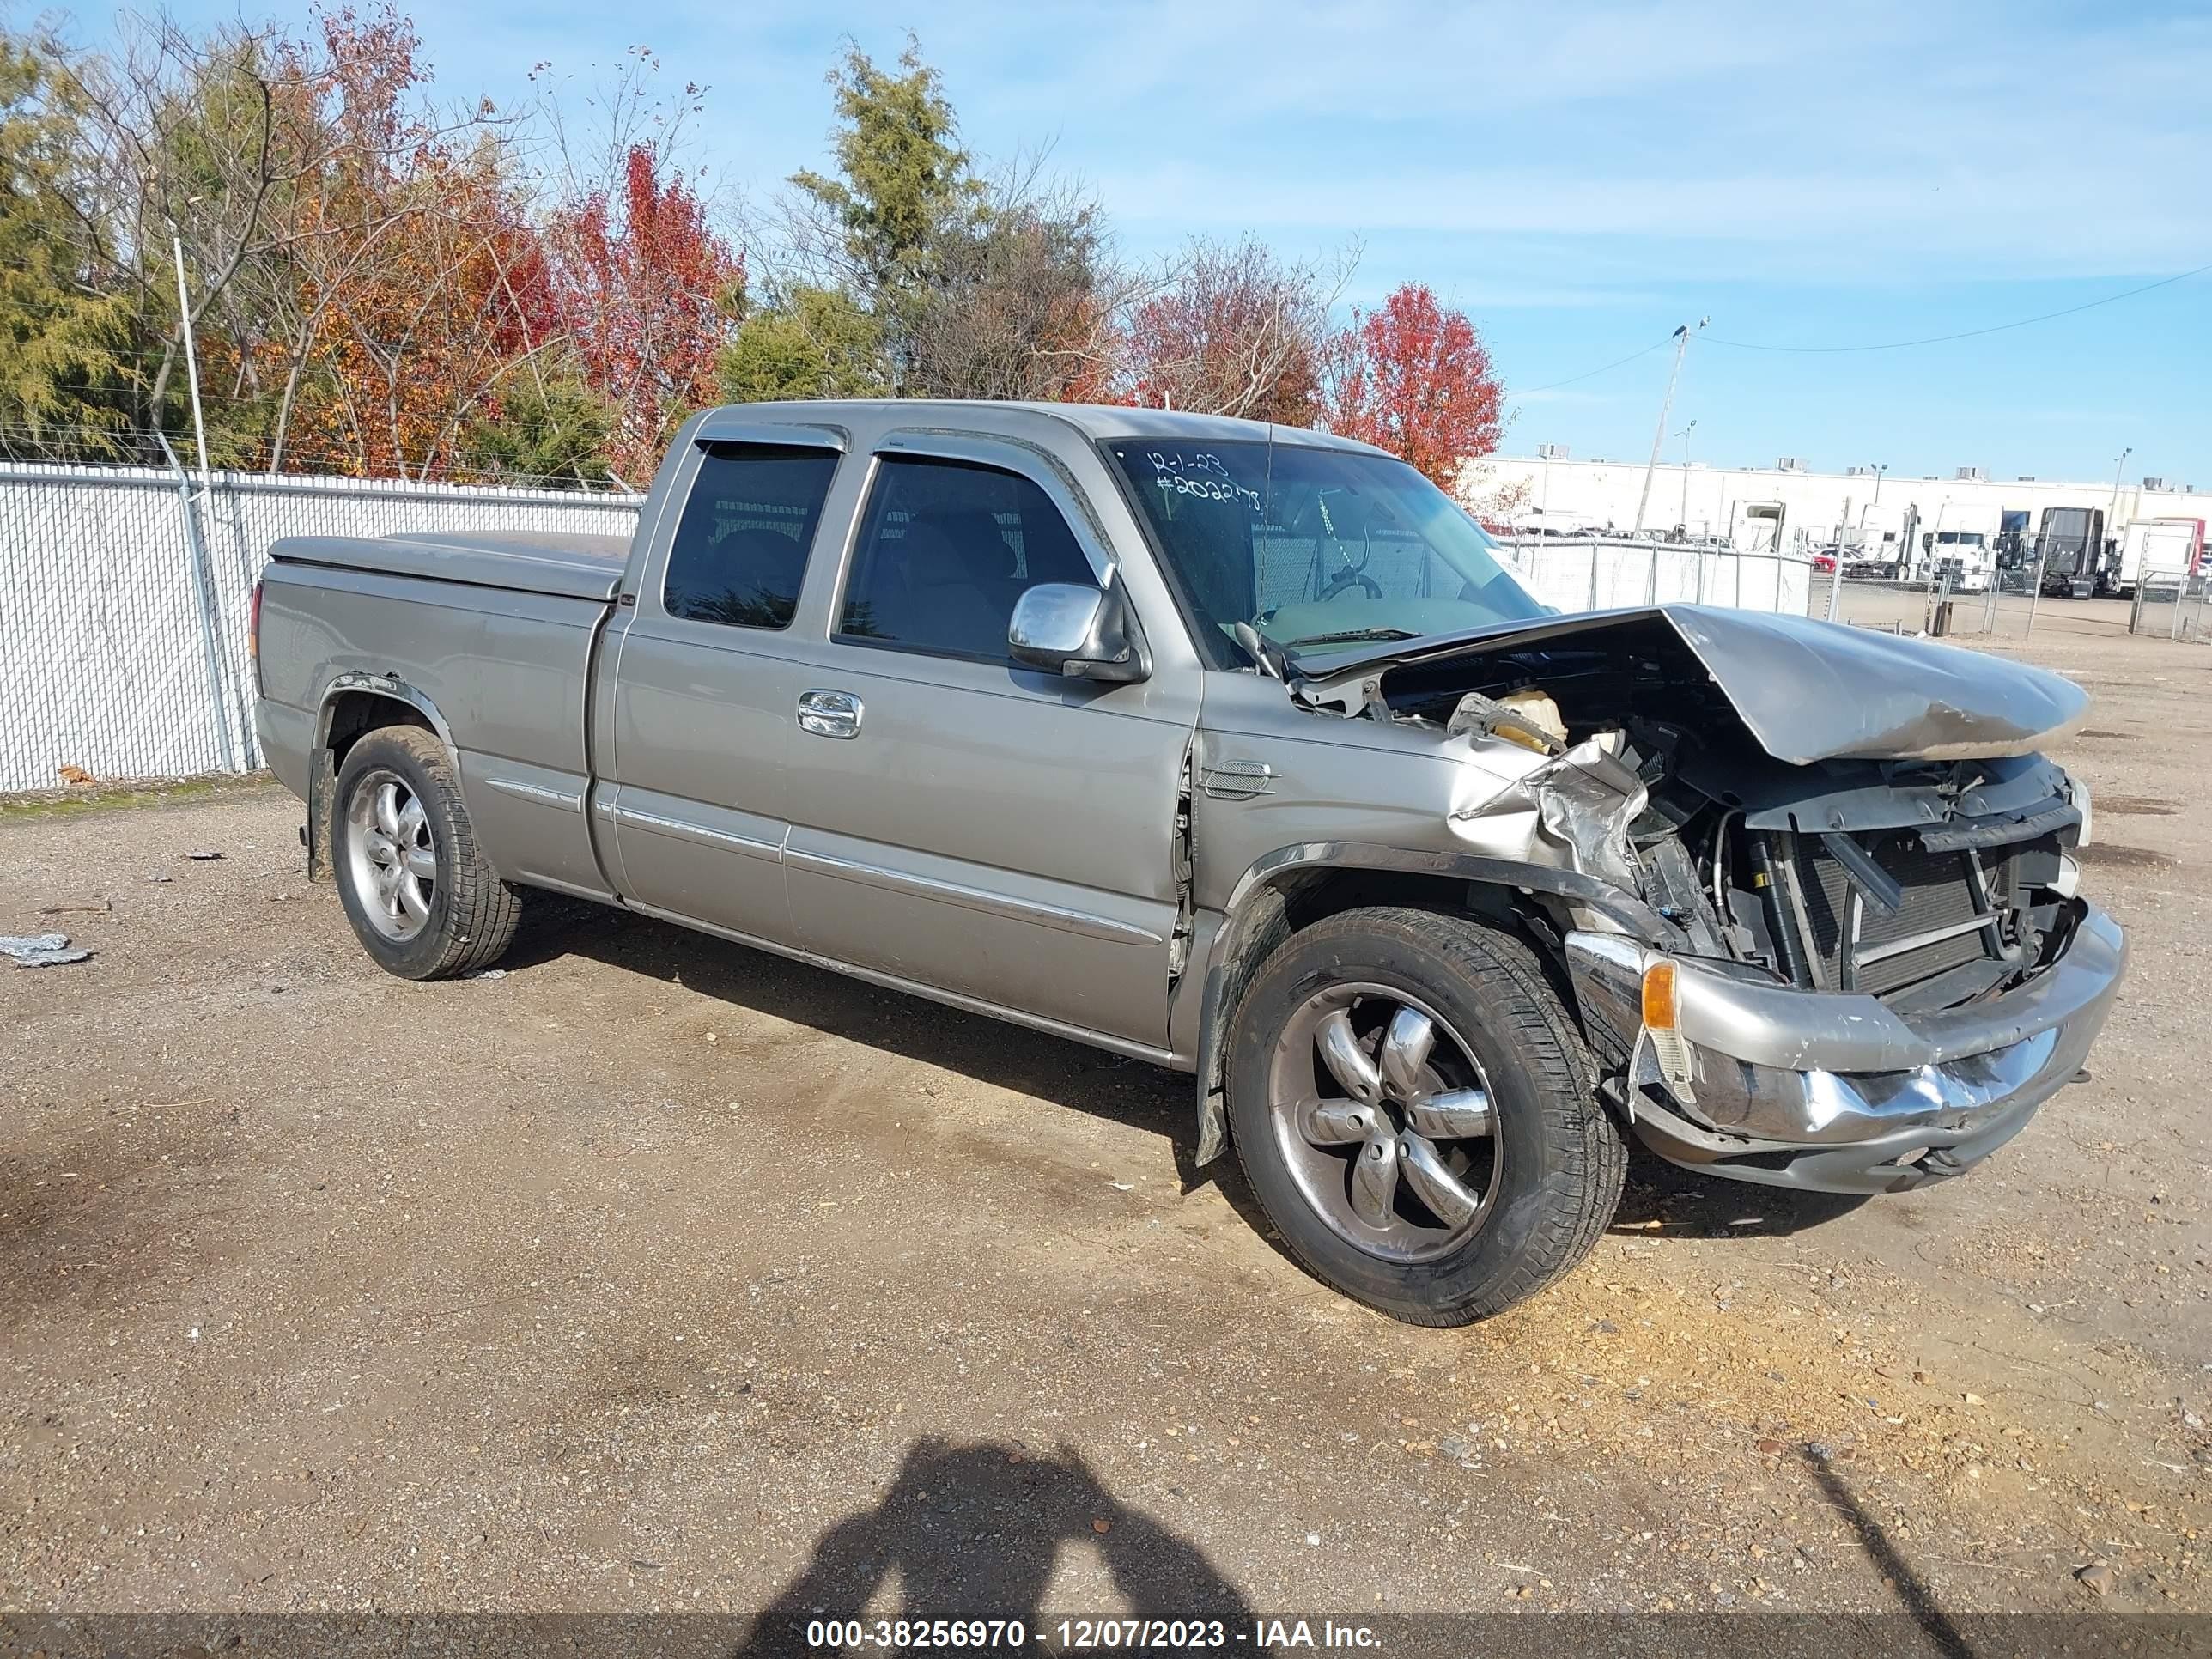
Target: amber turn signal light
{"type": "Point", "coordinates": [1659, 996]}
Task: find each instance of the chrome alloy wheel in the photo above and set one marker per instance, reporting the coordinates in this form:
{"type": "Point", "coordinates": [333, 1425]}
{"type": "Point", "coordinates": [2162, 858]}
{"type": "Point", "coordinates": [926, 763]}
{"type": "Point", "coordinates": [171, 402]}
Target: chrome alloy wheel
{"type": "Point", "coordinates": [391, 864]}
{"type": "Point", "coordinates": [1384, 1117]}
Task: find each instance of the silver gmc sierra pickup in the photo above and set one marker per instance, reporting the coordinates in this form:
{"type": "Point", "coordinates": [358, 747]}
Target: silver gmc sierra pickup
{"type": "Point", "coordinates": [1236, 748]}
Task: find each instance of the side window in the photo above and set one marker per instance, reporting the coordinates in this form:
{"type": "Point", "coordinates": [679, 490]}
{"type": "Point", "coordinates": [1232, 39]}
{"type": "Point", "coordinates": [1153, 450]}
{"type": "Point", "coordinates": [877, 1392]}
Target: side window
{"type": "Point", "coordinates": [740, 549]}
{"type": "Point", "coordinates": [945, 549]}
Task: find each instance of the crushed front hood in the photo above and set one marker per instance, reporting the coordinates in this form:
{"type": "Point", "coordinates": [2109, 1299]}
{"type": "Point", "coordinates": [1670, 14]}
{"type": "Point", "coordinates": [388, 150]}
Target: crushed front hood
{"type": "Point", "coordinates": [1806, 691]}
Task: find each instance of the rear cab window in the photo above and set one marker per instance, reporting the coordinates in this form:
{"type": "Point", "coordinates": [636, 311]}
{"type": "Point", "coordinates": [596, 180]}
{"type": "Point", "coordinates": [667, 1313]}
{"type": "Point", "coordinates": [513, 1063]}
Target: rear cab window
{"type": "Point", "coordinates": [741, 546]}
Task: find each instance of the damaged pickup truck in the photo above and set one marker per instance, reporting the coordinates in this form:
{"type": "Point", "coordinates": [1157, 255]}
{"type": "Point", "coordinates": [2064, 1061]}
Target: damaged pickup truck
{"type": "Point", "coordinates": [1239, 750]}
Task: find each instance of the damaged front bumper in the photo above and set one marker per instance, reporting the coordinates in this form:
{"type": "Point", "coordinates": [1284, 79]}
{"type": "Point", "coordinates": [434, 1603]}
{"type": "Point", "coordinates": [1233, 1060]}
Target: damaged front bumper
{"type": "Point", "coordinates": [1760, 1081]}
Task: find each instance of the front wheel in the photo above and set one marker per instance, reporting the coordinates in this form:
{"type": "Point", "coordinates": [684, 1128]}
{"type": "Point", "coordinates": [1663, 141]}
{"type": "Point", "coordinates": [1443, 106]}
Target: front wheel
{"type": "Point", "coordinates": [421, 900]}
{"type": "Point", "coordinates": [1416, 1112]}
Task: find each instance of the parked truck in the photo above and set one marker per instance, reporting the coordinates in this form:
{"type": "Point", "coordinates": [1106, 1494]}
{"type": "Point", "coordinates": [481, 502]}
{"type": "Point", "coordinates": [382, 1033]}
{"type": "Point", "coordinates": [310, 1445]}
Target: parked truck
{"type": "Point", "coordinates": [1235, 749]}
{"type": "Point", "coordinates": [2070, 555]}
{"type": "Point", "coordinates": [1960, 551]}
{"type": "Point", "coordinates": [2162, 547]}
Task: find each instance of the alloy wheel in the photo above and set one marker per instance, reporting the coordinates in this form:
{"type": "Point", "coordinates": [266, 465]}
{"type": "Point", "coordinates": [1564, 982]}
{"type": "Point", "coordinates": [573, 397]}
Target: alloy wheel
{"type": "Point", "coordinates": [1385, 1118]}
{"type": "Point", "coordinates": [391, 862]}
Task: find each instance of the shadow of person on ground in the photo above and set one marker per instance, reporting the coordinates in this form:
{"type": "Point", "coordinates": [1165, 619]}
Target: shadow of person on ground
{"type": "Point", "coordinates": [975, 1532]}
{"type": "Point", "coordinates": [1914, 1594]}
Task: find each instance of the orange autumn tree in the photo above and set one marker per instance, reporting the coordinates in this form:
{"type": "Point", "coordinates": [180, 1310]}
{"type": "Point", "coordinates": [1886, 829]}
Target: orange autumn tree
{"type": "Point", "coordinates": [420, 341]}
{"type": "Point", "coordinates": [1415, 379]}
{"type": "Point", "coordinates": [391, 281]}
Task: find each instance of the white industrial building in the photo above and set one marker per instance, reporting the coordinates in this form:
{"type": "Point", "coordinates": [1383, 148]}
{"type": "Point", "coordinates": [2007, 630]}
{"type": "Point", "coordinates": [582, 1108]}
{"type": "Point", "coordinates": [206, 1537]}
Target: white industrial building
{"type": "Point", "coordinates": [1561, 493]}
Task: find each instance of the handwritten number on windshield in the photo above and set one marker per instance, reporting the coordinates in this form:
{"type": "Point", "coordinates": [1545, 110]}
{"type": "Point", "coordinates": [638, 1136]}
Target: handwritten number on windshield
{"type": "Point", "coordinates": [1202, 474]}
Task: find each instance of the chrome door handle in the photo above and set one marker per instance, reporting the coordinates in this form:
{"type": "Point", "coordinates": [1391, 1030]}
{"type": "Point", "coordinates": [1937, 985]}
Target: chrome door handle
{"type": "Point", "coordinates": [830, 713]}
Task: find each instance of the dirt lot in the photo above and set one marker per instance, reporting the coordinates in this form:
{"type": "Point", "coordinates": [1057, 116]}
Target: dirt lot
{"type": "Point", "coordinates": [655, 1273]}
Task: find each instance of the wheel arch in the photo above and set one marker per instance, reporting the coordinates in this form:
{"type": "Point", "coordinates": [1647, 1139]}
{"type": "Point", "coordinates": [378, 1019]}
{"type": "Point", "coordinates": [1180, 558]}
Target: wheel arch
{"type": "Point", "coordinates": [1295, 886]}
{"type": "Point", "coordinates": [355, 704]}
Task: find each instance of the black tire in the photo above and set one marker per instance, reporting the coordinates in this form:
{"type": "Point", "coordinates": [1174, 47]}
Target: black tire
{"type": "Point", "coordinates": [1561, 1159]}
{"type": "Point", "coordinates": [471, 914]}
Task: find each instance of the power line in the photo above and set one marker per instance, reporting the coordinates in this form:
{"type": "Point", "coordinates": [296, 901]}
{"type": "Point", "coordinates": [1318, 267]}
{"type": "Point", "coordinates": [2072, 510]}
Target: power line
{"type": "Point", "coordinates": [1971, 333]}
{"type": "Point", "coordinates": [1593, 373]}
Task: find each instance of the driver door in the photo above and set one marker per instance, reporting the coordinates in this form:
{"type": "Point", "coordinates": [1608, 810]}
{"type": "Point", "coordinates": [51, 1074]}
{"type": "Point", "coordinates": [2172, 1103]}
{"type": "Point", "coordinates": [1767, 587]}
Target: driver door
{"type": "Point", "coordinates": [994, 833]}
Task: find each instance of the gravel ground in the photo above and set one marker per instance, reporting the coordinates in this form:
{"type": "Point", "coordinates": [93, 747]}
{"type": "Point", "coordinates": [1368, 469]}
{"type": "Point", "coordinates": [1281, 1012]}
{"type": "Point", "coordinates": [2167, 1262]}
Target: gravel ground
{"type": "Point", "coordinates": [655, 1273]}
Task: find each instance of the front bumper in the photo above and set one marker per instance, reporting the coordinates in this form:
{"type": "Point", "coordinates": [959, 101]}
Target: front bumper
{"type": "Point", "coordinates": [1839, 1093]}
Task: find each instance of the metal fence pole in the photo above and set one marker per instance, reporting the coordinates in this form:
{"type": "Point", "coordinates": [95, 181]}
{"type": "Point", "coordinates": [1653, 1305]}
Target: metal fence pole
{"type": "Point", "coordinates": [204, 598]}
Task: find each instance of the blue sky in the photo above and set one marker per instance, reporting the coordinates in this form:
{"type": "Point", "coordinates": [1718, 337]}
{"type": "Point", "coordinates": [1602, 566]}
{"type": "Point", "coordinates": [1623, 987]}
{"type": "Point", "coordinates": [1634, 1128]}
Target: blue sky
{"type": "Point", "coordinates": [1582, 179]}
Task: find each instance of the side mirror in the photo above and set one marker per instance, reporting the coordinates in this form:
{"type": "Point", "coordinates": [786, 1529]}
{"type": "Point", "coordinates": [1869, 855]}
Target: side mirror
{"type": "Point", "coordinates": [1078, 632]}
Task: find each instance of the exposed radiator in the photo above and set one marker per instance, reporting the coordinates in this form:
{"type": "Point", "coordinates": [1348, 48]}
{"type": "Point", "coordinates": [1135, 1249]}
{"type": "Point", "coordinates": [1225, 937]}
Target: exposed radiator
{"type": "Point", "coordinates": [1949, 910]}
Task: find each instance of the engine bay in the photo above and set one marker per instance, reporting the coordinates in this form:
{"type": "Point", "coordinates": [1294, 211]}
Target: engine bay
{"type": "Point", "coordinates": [1927, 882]}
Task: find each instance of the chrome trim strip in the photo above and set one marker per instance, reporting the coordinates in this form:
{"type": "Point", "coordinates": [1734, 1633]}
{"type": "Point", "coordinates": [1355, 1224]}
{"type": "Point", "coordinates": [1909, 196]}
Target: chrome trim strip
{"type": "Point", "coordinates": [1115, 1045]}
{"type": "Point", "coordinates": [975, 898]}
{"type": "Point", "coordinates": [683, 830]}
{"type": "Point", "coordinates": [564, 799]}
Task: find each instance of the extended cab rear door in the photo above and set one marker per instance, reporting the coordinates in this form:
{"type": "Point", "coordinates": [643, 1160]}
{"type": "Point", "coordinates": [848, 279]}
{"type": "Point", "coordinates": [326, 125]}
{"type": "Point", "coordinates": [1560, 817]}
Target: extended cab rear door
{"type": "Point", "coordinates": [700, 716]}
{"type": "Point", "coordinates": [958, 821]}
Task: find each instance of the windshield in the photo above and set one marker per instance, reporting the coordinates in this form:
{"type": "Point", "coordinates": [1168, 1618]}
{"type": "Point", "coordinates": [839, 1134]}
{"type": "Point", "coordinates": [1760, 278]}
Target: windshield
{"type": "Point", "coordinates": [1960, 538]}
{"type": "Point", "coordinates": [1317, 548]}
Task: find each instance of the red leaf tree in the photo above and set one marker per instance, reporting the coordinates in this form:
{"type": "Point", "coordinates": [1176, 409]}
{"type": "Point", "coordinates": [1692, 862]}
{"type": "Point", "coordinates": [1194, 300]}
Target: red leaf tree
{"type": "Point", "coordinates": [647, 292]}
{"type": "Point", "coordinates": [1415, 379]}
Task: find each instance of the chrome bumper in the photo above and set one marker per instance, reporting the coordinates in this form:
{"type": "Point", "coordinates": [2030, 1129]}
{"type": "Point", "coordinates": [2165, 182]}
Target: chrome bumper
{"type": "Point", "coordinates": [1840, 1093]}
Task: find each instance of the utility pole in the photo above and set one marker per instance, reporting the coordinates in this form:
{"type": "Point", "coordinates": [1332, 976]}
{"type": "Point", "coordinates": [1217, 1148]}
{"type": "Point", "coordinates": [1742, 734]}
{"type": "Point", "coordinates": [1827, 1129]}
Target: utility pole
{"type": "Point", "coordinates": [2112, 513]}
{"type": "Point", "coordinates": [1879, 467]}
{"type": "Point", "coordinates": [1659, 436]}
{"type": "Point", "coordinates": [1683, 434]}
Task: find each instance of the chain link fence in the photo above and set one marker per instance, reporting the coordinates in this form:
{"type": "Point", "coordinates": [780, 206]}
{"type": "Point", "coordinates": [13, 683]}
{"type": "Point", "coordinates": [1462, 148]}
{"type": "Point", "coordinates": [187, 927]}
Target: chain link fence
{"type": "Point", "coordinates": [1608, 574]}
{"type": "Point", "coordinates": [2169, 604]}
{"type": "Point", "coordinates": [2000, 604]}
{"type": "Point", "coordinates": [128, 589]}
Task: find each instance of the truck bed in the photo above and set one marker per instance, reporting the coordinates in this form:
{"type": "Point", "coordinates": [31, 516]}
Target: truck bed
{"type": "Point", "coordinates": [489, 637]}
{"type": "Point", "coordinates": [570, 567]}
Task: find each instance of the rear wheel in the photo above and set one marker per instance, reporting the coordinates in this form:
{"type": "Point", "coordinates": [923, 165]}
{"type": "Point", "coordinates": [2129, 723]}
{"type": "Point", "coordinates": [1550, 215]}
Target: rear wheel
{"type": "Point", "coordinates": [421, 900]}
{"type": "Point", "coordinates": [1416, 1112]}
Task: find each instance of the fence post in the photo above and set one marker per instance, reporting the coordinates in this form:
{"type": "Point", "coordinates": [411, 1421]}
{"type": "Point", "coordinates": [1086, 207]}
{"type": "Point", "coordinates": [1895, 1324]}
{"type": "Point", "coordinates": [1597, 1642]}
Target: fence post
{"type": "Point", "coordinates": [204, 598]}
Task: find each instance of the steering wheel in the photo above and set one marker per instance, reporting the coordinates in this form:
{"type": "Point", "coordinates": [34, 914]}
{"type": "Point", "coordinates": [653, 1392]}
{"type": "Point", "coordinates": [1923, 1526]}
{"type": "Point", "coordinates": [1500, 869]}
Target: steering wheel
{"type": "Point", "coordinates": [1350, 576]}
